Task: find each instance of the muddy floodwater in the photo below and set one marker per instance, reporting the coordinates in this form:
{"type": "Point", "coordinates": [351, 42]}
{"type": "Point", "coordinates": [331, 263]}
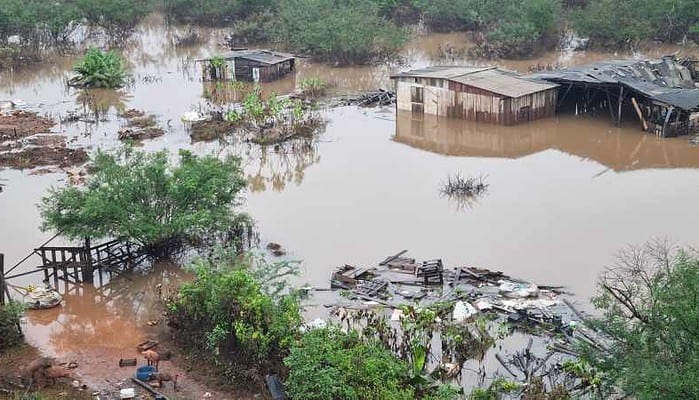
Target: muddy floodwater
{"type": "Point", "coordinates": [564, 193]}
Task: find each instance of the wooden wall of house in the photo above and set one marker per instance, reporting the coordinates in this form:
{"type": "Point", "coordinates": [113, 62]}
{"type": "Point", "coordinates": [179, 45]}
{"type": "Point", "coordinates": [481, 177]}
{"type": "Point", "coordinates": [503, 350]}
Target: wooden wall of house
{"type": "Point", "coordinates": [243, 70]}
{"type": "Point", "coordinates": [452, 99]}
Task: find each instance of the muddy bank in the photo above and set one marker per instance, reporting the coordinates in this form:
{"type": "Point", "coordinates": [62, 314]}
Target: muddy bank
{"type": "Point", "coordinates": [19, 123]}
{"type": "Point", "coordinates": [32, 157]}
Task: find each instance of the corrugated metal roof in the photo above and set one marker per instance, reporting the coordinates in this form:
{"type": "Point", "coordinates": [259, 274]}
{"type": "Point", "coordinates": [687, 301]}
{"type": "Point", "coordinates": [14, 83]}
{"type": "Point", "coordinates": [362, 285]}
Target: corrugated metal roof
{"type": "Point", "coordinates": [262, 56]}
{"type": "Point", "coordinates": [441, 72]}
{"type": "Point", "coordinates": [503, 83]}
{"type": "Point", "coordinates": [486, 78]}
{"type": "Point", "coordinates": [664, 80]}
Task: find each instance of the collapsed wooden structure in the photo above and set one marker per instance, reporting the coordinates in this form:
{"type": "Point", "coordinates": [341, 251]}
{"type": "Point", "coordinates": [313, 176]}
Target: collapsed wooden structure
{"type": "Point", "coordinates": [481, 94]}
{"type": "Point", "coordinates": [74, 264]}
{"type": "Point", "coordinates": [661, 93]}
{"type": "Point", "coordinates": [247, 65]}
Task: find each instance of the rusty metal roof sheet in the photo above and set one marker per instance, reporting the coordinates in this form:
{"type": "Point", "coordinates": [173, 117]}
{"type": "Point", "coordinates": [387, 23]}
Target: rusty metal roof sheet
{"type": "Point", "coordinates": [441, 72]}
{"type": "Point", "coordinates": [664, 80]}
{"type": "Point", "coordinates": [503, 83]}
{"type": "Point", "coordinates": [261, 56]}
{"type": "Point", "coordinates": [490, 79]}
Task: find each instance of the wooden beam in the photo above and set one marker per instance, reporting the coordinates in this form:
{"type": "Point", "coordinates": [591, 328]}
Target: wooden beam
{"type": "Point", "coordinates": [667, 119]}
{"type": "Point", "coordinates": [621, 100]}
{"type": "Point", "coordinates": [2, 279]}
{"type": "Point", "coordinates": [609, 103]}
{"type": "Point", "coordinates": [640, 114]}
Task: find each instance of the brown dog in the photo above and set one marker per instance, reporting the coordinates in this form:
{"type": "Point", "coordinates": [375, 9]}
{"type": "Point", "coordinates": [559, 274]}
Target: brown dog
{"type": "Point", "coordinates": [152, 357]}
{"type": "Point", "coordinates": [30, 370]}
{"type": "Point", "coordinates": [53, 373]}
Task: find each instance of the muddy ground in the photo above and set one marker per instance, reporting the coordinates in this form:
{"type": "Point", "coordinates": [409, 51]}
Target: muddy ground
{"type": "Point", "coordinates": [11, 363]}
{"type": "Point", "coordinates": [19, 123]}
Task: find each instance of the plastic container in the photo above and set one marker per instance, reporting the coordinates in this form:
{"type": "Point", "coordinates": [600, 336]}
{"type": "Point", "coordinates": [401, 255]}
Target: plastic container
{"type": "Point", "coordinates": [129, 393]}
{"type": "Point", "coordinates": [144, 373]}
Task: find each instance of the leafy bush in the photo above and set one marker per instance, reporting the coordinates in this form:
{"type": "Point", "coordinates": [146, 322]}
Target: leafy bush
{"type": "Point", "coordinates": [216, 12]}
{"type": "Point", "coordinates": [650, 300]}
{"type": "Point", "coordinates": [117, 17]}
{"type": "Point", "coordinates": [313, 87]}
{"type": "Point", "coordinates": [625, 22]}
{"type": "Point", "coordinates": [99, 69]}
{"type": "Point", "coordinates": [328, 364]}
{"type": "Point", "coordinates": [142, 198]}
{"type": "Point", "coordinates": [10, 332]}
{"type": "Point", "coordinates": [237, 314]}
{"type": "Point", "coordinates": [343, 31]}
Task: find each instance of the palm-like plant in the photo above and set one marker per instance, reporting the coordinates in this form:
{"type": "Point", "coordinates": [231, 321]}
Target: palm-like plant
{"type": "Point", "coordinates": [99, 69]}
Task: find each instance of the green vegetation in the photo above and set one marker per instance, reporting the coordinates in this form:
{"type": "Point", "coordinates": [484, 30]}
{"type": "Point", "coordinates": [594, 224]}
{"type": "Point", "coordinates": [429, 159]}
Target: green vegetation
{"type": "Point", "coordinates": [99, 69]}
{"type": "Point", "coordinates": [237, 313]}
{"type": "Point", "coordinates": [626, 22]}
{"type": "Point", "coordinates": [10, 332]}
{"type": "Point", "coordinates": [142, 198]}
{"type": "Point", "coordinates": [313, 87]}
{"type": "Point", "coordinates": [46, 23]}
{"type": "Point", "coordinates": [350, 31]}
{"type": "Point", "coordinates": [328, 364]}
{"type": "Point", "coordinates": [650, 301]}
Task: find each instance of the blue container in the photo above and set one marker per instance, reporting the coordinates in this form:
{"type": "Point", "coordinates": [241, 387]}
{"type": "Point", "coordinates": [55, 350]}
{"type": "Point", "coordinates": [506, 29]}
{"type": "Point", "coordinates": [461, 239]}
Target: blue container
{"type": "Point", "coordinates": [144, 373]}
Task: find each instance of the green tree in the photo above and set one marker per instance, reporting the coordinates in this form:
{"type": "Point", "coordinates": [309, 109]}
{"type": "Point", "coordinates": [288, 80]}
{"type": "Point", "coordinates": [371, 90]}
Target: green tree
{"type": "Point", "coordinates": [99, 69]}
{"type": "Point", "coordinates": [650, 300]}
{"type": "Point", "coordinates": [343, 31]}
{"type": "Point", "coordinates": [613, 22]}
{"type": "Point", "coordinates": [141, 197]}
{"type": "Point", "coordinates": [117, 17]}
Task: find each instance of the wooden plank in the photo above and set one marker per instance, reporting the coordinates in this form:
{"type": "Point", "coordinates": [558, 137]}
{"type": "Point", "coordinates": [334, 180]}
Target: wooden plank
{"type": "Point", "coordinates": [393, 257]}
{"type": "Point", "coordinates": [640, 114]}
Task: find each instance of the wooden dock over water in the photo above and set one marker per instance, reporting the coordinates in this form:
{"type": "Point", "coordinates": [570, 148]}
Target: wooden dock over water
{"type": "Point", "coordinates": [74, 264]}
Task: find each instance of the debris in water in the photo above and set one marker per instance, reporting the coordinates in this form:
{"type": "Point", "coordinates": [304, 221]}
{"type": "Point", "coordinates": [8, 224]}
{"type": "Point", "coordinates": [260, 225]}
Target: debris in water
{"type": "Point", "coordinates": [464, 191]}
{"type": "Point", "coordinates": [19, 123]}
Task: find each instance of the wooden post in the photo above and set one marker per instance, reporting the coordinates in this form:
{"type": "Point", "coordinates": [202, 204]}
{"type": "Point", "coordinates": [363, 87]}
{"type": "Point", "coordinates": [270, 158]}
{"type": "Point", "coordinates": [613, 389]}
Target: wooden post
{"type": "Point", "coordinates": [2, 279]}
{"type": "Point", "coordinates": [640, 114]}
{"type": "Point", "coordinates": [609, 102]}
{"type": "Point", "coordinates": [87, 268]}
{"type": "Point", "coordinates": [621, 99]}
{"type": "Point", "coordinates": [667, 119]}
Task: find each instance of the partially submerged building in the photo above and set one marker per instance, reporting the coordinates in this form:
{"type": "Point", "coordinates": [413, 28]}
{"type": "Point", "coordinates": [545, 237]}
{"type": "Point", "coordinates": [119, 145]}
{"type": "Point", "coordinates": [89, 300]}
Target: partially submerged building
{"type": "Point", "coordinates": [661, 93]}
{"type": "Point", "coordinates": [482, 94]}
{"type": "Point", "coordinates": [247, 65]}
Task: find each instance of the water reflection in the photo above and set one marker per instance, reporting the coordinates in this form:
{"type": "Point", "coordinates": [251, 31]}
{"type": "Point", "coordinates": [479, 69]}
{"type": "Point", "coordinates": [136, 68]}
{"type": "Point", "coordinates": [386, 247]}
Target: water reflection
{"type": "Point", "coordinates": [97, 103]}
{"type": "Point", "coordinates": [619, 149]}
{"type": "Point", "coordinates": [275, 167]}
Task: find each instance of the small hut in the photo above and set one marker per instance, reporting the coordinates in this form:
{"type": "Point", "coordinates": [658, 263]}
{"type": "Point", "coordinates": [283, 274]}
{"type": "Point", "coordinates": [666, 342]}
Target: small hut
{"type": "Point", "coordinates": [247, 65]}
{"type": "Point", "coordinates": [483, 94]}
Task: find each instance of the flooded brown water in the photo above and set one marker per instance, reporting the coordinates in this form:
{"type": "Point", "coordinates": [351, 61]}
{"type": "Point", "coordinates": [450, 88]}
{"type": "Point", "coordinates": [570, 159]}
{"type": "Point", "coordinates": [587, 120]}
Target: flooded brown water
{"type": "Point", "coordinates": [565, 193]}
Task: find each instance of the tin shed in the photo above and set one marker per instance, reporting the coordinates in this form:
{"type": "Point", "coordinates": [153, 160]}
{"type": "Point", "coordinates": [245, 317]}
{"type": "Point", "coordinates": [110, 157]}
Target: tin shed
{"type": "Point", "coordinates": [483, 94]}
{"type": "Point", "coordinates": [248, 65]}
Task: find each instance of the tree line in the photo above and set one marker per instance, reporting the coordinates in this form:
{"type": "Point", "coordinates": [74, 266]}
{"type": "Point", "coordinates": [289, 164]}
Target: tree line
{"type": "Point", "coordinates": [360, 31]}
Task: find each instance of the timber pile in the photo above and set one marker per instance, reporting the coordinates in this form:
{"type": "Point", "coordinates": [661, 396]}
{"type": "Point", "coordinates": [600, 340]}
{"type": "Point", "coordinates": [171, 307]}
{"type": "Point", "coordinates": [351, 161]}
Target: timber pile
{"type": "Point", "coordinates": [380, 97]}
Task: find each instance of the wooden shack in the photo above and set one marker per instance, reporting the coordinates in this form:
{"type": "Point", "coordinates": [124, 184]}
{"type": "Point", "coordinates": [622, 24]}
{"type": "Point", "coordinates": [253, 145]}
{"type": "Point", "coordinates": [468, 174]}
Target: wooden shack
{"type": "Point", "coordinates": [247, 65]}
{"type": "Point", "coordinates": [482, 94]}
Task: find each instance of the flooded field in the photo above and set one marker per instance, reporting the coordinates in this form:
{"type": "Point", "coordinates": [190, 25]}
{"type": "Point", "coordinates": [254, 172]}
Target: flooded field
{"type": "Point", "coordinates": [565, 193]}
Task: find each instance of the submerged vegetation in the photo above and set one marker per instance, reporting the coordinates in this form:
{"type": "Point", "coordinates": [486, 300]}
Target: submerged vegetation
{"type": "Point", "coordinates": [145, 199]}
{"type": "Point", "coordinates": [99, 69]}
{"type": "Point", "coordinates": [464, 191]}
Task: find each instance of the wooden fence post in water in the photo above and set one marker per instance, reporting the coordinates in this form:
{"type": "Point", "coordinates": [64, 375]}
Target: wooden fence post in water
{"type": "Point", "coordinates": [88, 274]}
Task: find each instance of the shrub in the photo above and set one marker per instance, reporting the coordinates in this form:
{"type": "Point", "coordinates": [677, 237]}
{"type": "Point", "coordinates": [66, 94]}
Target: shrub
{"type": "Point", "coordinates": [99, 69]}
{"type": "Point", "coordinates": [343, 31]}
{"type": "Point", "coordinates": [10, 332]}
{"type": "Point", "coordinates": [650, 300]}
{"type": "Point", "coordinates": [313, 87]}
{"type": "Point", "coordinates": [216, 12]}
{"type": "Point", "coordinates": [143, 198]}
{"type": "Point", "coordinates": [117, 17]}
{"type": "Point", "coordinates": [238, 313]}
{"type": "Point", "coordinates": [328, 364]}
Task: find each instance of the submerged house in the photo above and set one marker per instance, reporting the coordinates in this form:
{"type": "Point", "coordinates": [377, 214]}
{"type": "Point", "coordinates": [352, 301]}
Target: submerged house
{"type": "Point", "coordinates": [662, 93]}
{"type": "Point", "coordinates": [248, 65]}
{"type": "Point", "coordinates": [483, 94]}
